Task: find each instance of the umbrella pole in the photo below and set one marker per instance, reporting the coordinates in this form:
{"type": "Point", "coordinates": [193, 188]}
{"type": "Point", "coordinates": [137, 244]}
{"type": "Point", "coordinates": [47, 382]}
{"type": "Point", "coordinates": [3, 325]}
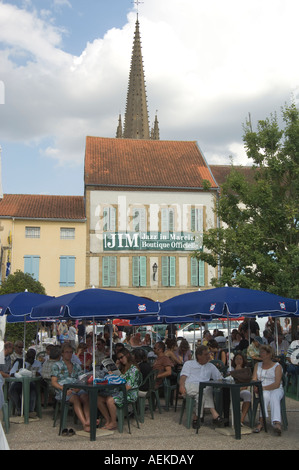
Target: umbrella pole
{"type": "Point", "coordinates": [228, 331]}
{"type": "Point", "coordinates": [111, 330]}
{"type": "Point", "coordinates": [93, 351]}
{"type": "Point", "coordinates": [276, 335]}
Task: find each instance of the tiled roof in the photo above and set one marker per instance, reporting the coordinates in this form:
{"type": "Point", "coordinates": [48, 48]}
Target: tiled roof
{"type": "Point", "coordinates": [221, 172]}
{"type": "Point", "coordinates": [30, 206]}
{"type": "Point", "coordinates": [148, 164]}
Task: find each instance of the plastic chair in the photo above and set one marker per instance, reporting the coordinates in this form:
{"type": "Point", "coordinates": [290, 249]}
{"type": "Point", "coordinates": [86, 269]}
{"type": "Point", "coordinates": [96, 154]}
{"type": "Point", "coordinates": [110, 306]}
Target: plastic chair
{"type": "Point", "coordinates": [5, 413]}
{"type": "Point", "coordinates": [120, 410]}
{"type": "Point", "coordinates": [152, 396]}
{"type": "Point", "coordinates": [293, 380]}
{"type": "Point", "coordinates": [220, 365]}
{"type": "Point", "coordinates": [188, 404]}
{"type": "Point", "coordinates": [65, 410]}
{"type": "Point", "coordinates": [284, 418]}
{"type": "Point", "coordinates": [169, 389]}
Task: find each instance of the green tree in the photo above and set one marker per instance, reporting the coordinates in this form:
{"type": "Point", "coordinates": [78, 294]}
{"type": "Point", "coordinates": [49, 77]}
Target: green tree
{"type": "Point", "coordinates": [19, 282]}
{"type": "Point", "coordinates": [257, 243]}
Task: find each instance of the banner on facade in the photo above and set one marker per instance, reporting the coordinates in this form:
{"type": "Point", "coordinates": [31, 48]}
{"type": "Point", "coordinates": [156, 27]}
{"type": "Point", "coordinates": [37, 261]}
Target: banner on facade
{"type": "Point", "coordinates": [154, 241]}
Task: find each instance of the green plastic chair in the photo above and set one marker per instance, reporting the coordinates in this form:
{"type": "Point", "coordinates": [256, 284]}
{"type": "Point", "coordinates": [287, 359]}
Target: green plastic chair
{"type": "Point", "coordinates": [283, 411]}
{"type": "Point", "coordinates": [169, 389]}
{"type": "Point", "coordinates": [188, 404]}
{"type": "Point", "coordinates": [120, 410]}
{"type": "Point", "coordinates": [152, 396]}
{"type": "Point", "coordinates": [5, 413]}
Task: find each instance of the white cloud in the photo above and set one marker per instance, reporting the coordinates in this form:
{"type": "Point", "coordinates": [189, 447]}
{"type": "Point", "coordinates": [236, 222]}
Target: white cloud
{"type": "Point", "coordinates": [207, 64]}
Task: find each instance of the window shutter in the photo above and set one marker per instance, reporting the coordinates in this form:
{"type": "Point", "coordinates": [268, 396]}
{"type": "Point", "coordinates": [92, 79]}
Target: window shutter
{"type": "Point", "coordinates": [143, 271]}
{"type": "Point", "coordinates": [201, 273]}
{"type": "Point", "coordinates": [165, 271]}
{"type": "Point", "coordinates": [112, 260]}
{"type": "Point", "coordinates": [135, 271]}
{"type": "Point", "coordinates": [67, 270]}
{"type": "Point", "coordinates": [105, 272]}
{"type": "Point", "coordinates": [31, 266]}
{"type": "Point", "coordinates": [71, 271]}
{"type": "Point", "coordinates": [172, 271]}
{"type": "Point", "coordinates": [194, 272]}
{"type": "Point", "coordinates": [164, 220]}
{"type": "Point", "coordinates": [112, 220]}
{"type": "Point", "coordinates": [171, 220]}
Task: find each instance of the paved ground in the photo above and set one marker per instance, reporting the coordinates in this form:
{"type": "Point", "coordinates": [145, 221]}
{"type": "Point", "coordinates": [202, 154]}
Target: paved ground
{"type": "Point", "coordinates": [163, 433]}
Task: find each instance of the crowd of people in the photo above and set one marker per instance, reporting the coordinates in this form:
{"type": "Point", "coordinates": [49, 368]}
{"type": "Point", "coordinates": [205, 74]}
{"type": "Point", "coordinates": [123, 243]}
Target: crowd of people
{"type": "Point", "coordinates": [135, 357]}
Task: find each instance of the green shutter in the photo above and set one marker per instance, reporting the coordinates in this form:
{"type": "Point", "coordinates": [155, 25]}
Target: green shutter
{"type": "Point", "coordinates": [165, 271]}
{"type": "Point", "coordinates": [201, 273]}
{"type": "Point", "coordinates": [135, 271]}
{"type": "Point", "coordinates": [112, 261]}
{"type": "Point", "coordinates": [164, 220]}
{"type": "Point", "coordinates": [171, 220]}
{"type": "Point", "coordinates": [143, 271]}
{"type": "Point", "coordinates": [172, 271]}
{"type": "Point", "coordinates": [192, 219]}
{"type": "Point", "coordinates": [105, 272]}
{"type": "Point", "coordinates": [194, 272]}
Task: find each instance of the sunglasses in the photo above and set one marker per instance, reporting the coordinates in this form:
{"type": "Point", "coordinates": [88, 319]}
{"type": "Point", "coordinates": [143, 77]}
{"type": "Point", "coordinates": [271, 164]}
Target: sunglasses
{"type": "Point", "coordinates": [120, 357]}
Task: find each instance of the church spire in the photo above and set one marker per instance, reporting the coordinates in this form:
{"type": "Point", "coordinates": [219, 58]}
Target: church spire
{"type": "Point", "coordinates": [136, 124]}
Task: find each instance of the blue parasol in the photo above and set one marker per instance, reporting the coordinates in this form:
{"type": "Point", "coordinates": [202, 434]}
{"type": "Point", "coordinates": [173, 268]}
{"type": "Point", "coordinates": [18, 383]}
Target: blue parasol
{"type": "Point", "coordinates": [99, 303]}
{"type": "Point", "coordinates": [228, 301]}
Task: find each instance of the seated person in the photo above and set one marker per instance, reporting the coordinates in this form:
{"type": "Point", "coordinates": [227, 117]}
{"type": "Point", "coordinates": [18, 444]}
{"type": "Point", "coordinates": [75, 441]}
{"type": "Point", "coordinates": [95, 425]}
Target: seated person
{"type": "Point", "coordinates": [46, 372]}
{"type": "Point", "coordinates": [15, 391]}
{"type": "Point", "coordinates": [270, 374]}
{"type": "Point", "coordinates": [281, 346]}
{"type": "Point", "coordinates": [162, 363]}
{"type": "Point", "coordinates": [216, 353]}
{"type": "Point", "coordinates": [253, 350]}
{"type": "Point", "coordinates": [107, 404]}
{"type": "Point", "coordinates": [65, 371]}
{"type": "Point", "coordinates": [135, 341]}
{"type": "Point", "coordinates": [145, 368]}
{"type": "Point", "coordinates": [5, 368]}
{"type": "Point", "coordinates": [293, 369]}
{"type": "Point", "coordinates": [184, 351]}
{"type": "Point", "coordinates": [171, 352]}
{"type": "Point", "coordinates": [54, 356]}
{"type": "Point", "coordinates": [239, 362]}
{"type": "Point", "coordinates": [84, 356]}
{"type": "Point", "coordinates": [196, 371]}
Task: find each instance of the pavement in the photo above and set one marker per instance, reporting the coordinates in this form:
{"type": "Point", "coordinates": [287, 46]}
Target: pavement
{"type": "Point", "coordinates": [163, 433]}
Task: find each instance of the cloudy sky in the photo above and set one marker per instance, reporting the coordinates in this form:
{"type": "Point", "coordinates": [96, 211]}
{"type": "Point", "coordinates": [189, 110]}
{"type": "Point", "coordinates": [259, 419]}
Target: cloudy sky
{"type": "Point", "coordinates": [64, 68]}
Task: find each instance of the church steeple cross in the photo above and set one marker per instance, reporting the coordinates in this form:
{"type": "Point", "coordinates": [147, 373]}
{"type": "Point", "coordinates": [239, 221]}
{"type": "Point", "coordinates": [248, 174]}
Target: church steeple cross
{"type": "Point", "coordinates": [137, 3]}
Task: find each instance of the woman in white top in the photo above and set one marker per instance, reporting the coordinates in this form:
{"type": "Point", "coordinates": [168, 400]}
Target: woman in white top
{"type": "Point", "coordinates": [270, 374]}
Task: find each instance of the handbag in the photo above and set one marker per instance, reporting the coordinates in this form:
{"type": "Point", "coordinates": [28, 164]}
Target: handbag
{"type": "Point", "coordinates": [242, 375]}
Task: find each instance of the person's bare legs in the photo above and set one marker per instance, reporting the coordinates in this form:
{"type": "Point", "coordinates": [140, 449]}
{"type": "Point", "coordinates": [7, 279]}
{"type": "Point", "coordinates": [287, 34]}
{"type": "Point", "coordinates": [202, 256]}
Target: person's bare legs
{"type": "Point", "coordinates": [112, 411]}
{"type": "Point", "coordinates": [245, 408]}
{"type": "Point", "coordinates": [76, 402]}
{"type": "Point", "coordinates": [102, 406]}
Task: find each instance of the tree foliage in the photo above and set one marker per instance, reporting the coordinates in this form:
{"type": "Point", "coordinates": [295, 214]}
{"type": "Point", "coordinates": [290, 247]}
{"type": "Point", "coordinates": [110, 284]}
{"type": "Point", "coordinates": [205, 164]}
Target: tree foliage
{"type": "Point", "coordinates": [257, 243]}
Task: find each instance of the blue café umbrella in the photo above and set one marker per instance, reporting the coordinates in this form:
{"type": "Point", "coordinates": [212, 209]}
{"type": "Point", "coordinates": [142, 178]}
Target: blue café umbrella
{"type": "Point", "coordinates": [21, 303]}
{"type": "Point", "coordinates": [99, 303]}
{"type": "Point", "coordinates": [228, 301]}
{"type": "Point", "coordinates": [96, 303]}
{"type": "Point", "coordinates": [17, 306]}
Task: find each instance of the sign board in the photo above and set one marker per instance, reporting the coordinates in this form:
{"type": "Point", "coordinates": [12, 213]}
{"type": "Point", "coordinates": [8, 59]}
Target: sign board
{"type": "Point", "coordinates": [153, 241]}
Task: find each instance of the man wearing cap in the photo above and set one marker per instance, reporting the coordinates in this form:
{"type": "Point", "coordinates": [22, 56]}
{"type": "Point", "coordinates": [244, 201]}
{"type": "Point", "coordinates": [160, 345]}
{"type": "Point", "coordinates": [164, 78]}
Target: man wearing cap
{"type": "Point", "coordinates": [253, 351]}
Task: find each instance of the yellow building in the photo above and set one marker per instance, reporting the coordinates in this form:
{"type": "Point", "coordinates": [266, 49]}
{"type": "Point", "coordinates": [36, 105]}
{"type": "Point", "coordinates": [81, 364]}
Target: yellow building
{"type": "Point", "coordinates": [44, 236]}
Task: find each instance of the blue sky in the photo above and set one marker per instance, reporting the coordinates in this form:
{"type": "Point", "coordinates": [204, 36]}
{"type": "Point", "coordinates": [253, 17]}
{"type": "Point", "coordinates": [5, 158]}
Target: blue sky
{"type": "Point", "coordinates": [64, 66]}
